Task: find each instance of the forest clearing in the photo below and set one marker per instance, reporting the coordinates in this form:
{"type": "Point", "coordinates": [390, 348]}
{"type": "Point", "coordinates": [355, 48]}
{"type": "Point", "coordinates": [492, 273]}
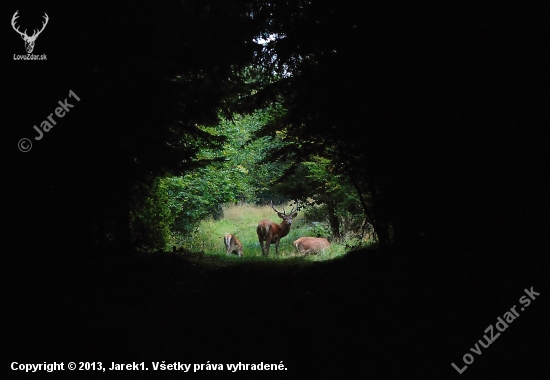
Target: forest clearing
{"type": "Point", "coordinates": [242, 220]}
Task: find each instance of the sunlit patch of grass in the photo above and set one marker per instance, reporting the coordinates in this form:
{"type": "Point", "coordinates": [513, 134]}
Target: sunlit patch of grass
{"type": "Point", "coordinates": [241, 220]}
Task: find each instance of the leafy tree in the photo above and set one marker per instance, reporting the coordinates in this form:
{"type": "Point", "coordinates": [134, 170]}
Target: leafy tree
{"type": "Point", "coordinates": [233, 172]}
{"type": "Point", "coordinates": [419, 109]}
{"type": "Point", "coordinates": [317, 182]}
{"type": "Point", "coordinates": [151, 216]}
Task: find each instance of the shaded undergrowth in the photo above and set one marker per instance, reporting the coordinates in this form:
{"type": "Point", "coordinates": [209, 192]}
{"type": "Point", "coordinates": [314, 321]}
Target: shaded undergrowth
{"type": "Point", "coordinates": [369, 312]}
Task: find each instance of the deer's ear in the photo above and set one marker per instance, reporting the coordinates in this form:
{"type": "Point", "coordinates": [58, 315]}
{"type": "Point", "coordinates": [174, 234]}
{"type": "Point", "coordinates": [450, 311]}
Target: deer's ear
{"type": "Point", "coordinates": [23, 36]}
{"type": "Point", "coordinates": [282, 216]}
{"type": "Point", "coordinates": [294, 215]}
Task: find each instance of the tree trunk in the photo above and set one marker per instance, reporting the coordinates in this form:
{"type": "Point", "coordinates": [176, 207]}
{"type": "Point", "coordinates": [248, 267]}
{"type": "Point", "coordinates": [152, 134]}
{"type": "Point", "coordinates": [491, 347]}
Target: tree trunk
{"type": "Point", "coordinates": [374, 216]}
{"type": "Point", "coordinates": [334, 221]}
{"type": "Point", "coordinates": [380, 225]}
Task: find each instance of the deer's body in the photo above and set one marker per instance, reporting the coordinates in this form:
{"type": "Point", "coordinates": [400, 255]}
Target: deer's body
{"type": "Point", "coordinates": [271, 233]}
{"type": "Point", "coordinates": [311, 244]}
{"type": "Point", "coordinates": [232, 244]}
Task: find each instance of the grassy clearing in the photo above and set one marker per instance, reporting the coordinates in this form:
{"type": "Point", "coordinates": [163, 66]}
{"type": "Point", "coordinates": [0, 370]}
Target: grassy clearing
{"type": "Point", "coordinates": [241, 220]}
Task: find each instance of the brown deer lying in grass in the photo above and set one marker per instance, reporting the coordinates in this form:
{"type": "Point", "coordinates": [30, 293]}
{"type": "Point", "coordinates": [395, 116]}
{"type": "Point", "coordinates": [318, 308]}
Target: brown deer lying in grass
{"type": "Point", "coordinates": [232, 244]}
{"type": "Point", "coordinates": [311, 245]}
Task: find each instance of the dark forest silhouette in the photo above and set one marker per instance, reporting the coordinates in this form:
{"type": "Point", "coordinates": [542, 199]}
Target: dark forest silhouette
{"type": "Point", "coordinates": [439, 114]}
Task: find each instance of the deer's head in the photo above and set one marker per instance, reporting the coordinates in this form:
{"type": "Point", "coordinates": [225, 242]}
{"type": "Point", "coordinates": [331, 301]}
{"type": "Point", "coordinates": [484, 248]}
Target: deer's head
{"type": "Point", "coordinates": [287, 218]}
{"type": "Point", "coordinates": [29, 40]}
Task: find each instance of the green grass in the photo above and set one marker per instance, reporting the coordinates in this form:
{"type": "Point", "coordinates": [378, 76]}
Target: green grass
{"type": "Point", "coordinates": [241, 220]}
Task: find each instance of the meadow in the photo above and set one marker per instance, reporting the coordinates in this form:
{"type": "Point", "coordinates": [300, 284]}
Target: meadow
{"type": "Point", "coordinates": [242, 219]}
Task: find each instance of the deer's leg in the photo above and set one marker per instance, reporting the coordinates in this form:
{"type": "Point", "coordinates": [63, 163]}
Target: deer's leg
{"type": "Point", "coordinates": [261, 243]}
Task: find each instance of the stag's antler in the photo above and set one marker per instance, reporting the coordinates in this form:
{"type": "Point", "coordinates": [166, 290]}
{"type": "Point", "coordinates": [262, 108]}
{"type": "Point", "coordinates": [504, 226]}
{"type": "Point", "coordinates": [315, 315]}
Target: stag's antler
{"type": "Point", "coordinates": [15, 15]}
{"type": "Point", "coordinates": [43, 24]}
{"type": "Point", "coordinates": [284, 212]}
{"type": "Point", "coordinates": [24, 34]}
{"type": "Point", "coordinates": [274, 209]}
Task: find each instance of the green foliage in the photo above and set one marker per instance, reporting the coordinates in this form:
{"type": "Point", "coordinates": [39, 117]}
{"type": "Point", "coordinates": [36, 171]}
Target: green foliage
{"type": "Point", "coordinates": [320, 186]}
{"type": "Point", "coordinates": [237, 172]}
{"type": "Point", "coordinates": [151, 216]}
{"type": "Point", "coordinates": [197, 195]}
{"type": "Point", "coordinates": [243, 170]}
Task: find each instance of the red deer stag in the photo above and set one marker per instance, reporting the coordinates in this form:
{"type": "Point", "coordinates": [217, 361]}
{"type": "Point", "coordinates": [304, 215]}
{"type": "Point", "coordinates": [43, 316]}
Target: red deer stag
{"type": "Point", "coordinates": [232, 244]}
{"type": "Point", "coordinates": [311, 245]}
{"type": "Point", "coordinates": [272, 232]}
